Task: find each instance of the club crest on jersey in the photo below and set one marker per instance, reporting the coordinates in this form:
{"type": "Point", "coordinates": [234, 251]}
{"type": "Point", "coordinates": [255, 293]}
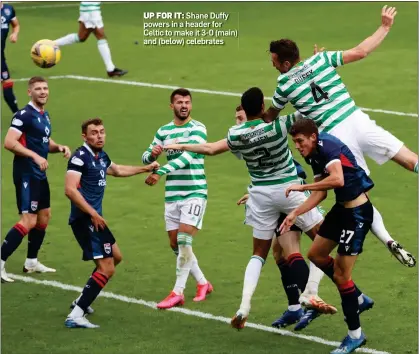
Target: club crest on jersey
{"type": "Point", "coordinates": [7, 12]}
{"type": "Point", "coordinates": [34, 206]}
{"type": "Point", "coordinates": [48, 119]}
{"type": "Point", "coordinates": [186, 134]}
{"type": "Point", "coordinates": [102, 163]}
{"type": "Point", "coordinates": [107, 247]}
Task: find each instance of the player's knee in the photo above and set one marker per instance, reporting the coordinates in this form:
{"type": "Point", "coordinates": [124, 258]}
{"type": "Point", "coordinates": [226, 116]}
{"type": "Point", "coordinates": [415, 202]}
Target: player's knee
{"type": "Point", "coordinates": [28, 221]}
{"type": "Point", "coordinates": [44, 217]}
{"type": "Point", "coordinates": [83, 36]}
{"type": "Point", "coordinates": [108, 269]}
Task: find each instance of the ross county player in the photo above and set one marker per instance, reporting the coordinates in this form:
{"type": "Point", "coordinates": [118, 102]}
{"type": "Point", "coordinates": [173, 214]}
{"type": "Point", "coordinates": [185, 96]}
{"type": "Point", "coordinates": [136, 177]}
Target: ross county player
{"type": "Point", "coordinates": [345, 225]}
{"type": "Point", "coordinates": [314, 88]}
{"type": "Point", "coordinates": [8, 17]}
{"type": "Point", "coordinates": [85, 187]}
{"type": "Point", "coordinates": [29, 139]}
{"type": "Point", "coordinates": [90, 20]}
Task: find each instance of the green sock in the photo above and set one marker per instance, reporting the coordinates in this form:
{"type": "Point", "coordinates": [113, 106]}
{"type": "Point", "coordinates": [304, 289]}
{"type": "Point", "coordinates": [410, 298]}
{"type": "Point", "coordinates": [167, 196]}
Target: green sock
{"type": "Point", "coordinates": [416, 168]}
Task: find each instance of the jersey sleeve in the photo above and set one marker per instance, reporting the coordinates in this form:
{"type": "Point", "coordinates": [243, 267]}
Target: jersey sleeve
{"type": "Point", "coordinates": [157, 140]}
{"type": "Point", "coordinates": [76, 163]}
{"type": "Point", "coordinates": [330, 153]}
{"type": "Point", "coordinates": [318, 171]}
{"type": "Point", "coordinates": [279, 99]}
{"type": "Point", "coordinates": [334, 59]}
{"type": "Point", "coordinates": [21, 121]}
{"type": "Point", "coordinates": [285, 122]}
{"type": "Point", "coordinates": [13, 13]}
{"type": "Point", "coordinates": [108, 161]}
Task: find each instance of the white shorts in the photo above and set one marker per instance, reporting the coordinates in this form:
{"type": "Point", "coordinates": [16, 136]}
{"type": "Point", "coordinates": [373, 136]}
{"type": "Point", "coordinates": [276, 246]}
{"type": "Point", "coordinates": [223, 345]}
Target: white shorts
{"type": "Point", "coordinates": [189, 211]}
{"type": "Point", "coordinates": [364, 137]}
{"type": "Point", "coordinates": [91, 19]}
{"type": "Point", "coordinates": [265, 204]}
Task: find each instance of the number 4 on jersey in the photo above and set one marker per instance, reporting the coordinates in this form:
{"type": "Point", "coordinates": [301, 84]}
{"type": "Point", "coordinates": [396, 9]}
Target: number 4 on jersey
{"type": "Point", "coordinates": [318, 93]}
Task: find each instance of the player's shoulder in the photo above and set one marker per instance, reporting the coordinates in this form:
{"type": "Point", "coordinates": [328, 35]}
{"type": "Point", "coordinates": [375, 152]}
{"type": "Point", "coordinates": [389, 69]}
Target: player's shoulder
{"type": "Point", "coordinates": [8, 9]}
{"type": "Point", "coordinates": [328, 142]}
{"type": "Point", "coordinates": [198, 124]}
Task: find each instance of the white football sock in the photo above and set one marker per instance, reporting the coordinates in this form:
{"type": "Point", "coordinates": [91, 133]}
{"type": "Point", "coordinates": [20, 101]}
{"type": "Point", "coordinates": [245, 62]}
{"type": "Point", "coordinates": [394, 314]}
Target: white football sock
{"type": "Point", "coordinates": [355, 334]}
{"type": "Point", "coordinates": [3, 263]}
{"type": "Point", "coordinates": [251, 278]}
{"type": "Point", "coordinates": [68, 39]}
{"type": "Point", "coordinates": [314, 278]}
{"type": "Point", "coordinates": [197, 272]}
{"type": "Point", "coordinates": [105, 52]}
{"type": "Point", "coordinates": [184, 261]}
{"type": "Point", "coordinates": [76, 312]}
{"type": "Point", "coordinates": [378, 228]}
{"type": "Point", "coordinates": [31, 262]}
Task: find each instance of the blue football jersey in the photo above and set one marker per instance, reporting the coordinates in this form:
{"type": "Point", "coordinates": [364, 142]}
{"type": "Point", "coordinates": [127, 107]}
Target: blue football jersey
{"type": "Point", "coordinates": [35, 126]}
{"type": "Point", "coordinates": [7, 15]}
{"type": "Point", "coordinates": [330, 149]}
{"type": "Point", "coordinates": [93, 178]}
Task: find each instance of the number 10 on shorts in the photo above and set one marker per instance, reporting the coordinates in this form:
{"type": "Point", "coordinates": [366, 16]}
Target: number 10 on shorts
{"type": "Point", "coordinates": [195, 209]}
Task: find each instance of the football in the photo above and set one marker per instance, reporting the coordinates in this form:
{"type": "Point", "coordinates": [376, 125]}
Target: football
{"type": "Point", "coordinates": [45, 53]}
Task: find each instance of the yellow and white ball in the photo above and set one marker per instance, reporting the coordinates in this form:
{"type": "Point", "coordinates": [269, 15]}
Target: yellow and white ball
{"type": "Point", "coordinates": [45, 53]}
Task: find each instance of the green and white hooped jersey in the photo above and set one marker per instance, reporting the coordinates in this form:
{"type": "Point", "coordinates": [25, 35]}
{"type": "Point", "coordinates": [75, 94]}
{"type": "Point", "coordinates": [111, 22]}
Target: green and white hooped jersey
{"type": "Point", "coordinates": [264, 147]}
{"type": "Point", "coordinates": [185, 170]}
{"type": "Point", "coordinates": [89, 6]}
{"type": "Point", "coordinates": [316, 90]}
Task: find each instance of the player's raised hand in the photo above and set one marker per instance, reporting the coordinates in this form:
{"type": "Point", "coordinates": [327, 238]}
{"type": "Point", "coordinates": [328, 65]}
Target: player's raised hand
{"type": "Point", "coordinates": [243, 199]}
{"type": "Point", "coordinates": [41, 162]}
{"type": "Point", "coordinates": [156, 151]}
{"type": "Point", "coordinates": [98, 222]}
{"type": "Point", "coordinates": [240, 115]}
{"type": "Point", "coordinates": [13, 37]}
{"type": "Point", "coordinates": [152, 179]}
{"type": "Point", "coordinates": [387, 16]}
{"type": "Point", "coordinates": [317, 50]}
{"type": "Point", "coordinates": [287, 223]}
{"type": "Point", "coordinates": [65, 150]}
{"type": "Point", "coordinates": [294, 187]}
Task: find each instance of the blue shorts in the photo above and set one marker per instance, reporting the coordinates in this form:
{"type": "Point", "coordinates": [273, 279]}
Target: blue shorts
{"type": "Point", "coordinates": [4, 69]}
{"type": "Point", "coordinates": [348, 227]}
{"type": "Point", "coordinates": [95, 244]}
{"type": "Point", "coordinates": [32, 194]}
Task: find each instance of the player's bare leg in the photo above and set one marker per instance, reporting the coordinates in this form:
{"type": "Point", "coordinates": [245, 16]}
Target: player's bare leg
{"type": "Point", "coordinates": [72, 38]}
{"type": "Point", "coordinates": [204, 287]}
{"type": "Point", "coordinates": [251, 277]}
{"type": "Point", "coordinates": [105, 52]}
{"type": "Point", "coordinates": [35, 239]}
{"type": "Point", "coordinates": [407, 159]}
{"type": "Point", "coordinates": [13, 239]}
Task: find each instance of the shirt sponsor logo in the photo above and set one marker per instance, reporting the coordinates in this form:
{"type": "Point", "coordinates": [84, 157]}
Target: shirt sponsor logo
{"type": "Point", "coordinates": [76, 161]}
{"type": "Point", "coordinates": [17, 122]}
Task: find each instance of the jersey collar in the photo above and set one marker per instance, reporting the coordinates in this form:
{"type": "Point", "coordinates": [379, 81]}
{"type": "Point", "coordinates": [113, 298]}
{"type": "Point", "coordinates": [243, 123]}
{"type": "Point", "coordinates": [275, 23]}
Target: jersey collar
{"type": "Point", "coordinates": [89, 149]}
{"type": "Point", "coordinates": [35, 108]}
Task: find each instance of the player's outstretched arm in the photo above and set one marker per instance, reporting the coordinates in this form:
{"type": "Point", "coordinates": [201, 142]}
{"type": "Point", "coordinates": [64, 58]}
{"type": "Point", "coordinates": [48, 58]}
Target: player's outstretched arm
{"type": "Point", "coordinates": [271, 114]}
{"type": "Point", "coordinates": [72, 181]}
{"type": "Point", "coordinates": [333, 180]}
{"type": "Point", "coordinates": [154, 150]}
{"type": "Point", "coordinates": [11, 143]}
{"type": "Point", "coordinates": [128, 171]}
{"type": "Point", "coordinates": [311, 202]}
{"type": "Point", "coordinates": [371, 43]}
{"type": "Point", "coordinates": [54, 148]}
{"type": "Point", "coordinates": [205, 149]}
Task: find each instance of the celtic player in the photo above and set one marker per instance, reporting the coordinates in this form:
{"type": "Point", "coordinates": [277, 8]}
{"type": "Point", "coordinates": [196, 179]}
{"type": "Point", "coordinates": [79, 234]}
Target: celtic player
{"type": "Point", "coordinates": [185, 195]}
{"type": "Point", "coordinates": [90, 20]}
{"type": "Point", "coordinates": [314, 88]}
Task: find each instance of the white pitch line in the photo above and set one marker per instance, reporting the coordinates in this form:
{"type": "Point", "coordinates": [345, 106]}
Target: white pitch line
{"type": "Point", "coordinates": [211, 92]}
{"type": "Point", "coordinates": [185, 311]}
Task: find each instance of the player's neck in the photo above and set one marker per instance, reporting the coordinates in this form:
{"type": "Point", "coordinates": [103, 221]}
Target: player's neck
{"type": "Point", "coordinates": [38, 106]}
{"type": "Point", "coordinates": [180, 122]}
{"type": "Point", "coordinates": [250, 118]}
